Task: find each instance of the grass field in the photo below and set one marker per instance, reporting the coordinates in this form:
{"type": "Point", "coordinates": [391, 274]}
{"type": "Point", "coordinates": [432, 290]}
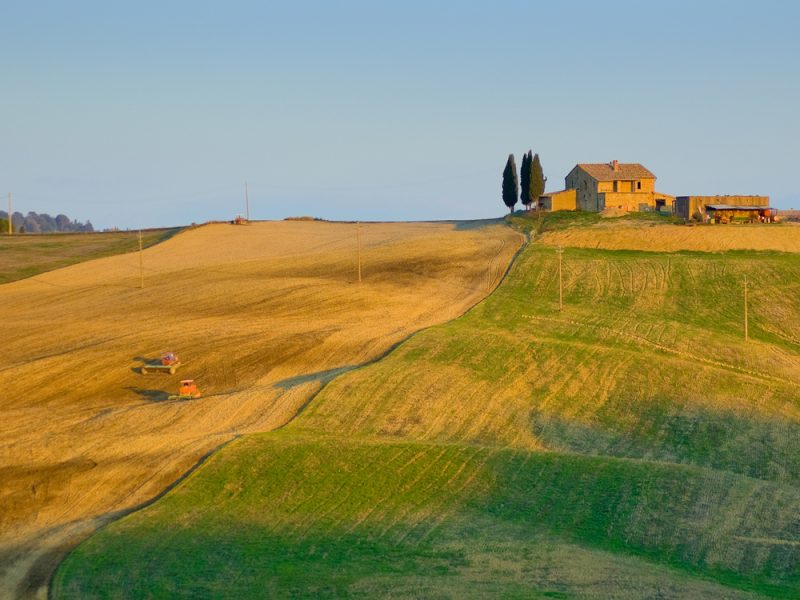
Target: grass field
{"type": "Point", "coordinates": [261, 316]}
{"type": "Point", "coordinates": [285, 516]}
{"type": "Point", "coordinates": [24, 256]}
{"type": "Point", "coordinates": [631, 446]}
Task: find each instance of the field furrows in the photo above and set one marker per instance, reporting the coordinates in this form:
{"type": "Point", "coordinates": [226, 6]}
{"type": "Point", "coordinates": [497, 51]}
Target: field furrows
{"type": "Point", "coordinates": [636, 434]}
{"type": "Point", "coordinates": [481, 380]}
{"type": "Point", "coordinates": [290, 497]}
{"type": "Point", "coordinates": [626, 235]}
{"type": "Point", "coordinates": [244, 309]}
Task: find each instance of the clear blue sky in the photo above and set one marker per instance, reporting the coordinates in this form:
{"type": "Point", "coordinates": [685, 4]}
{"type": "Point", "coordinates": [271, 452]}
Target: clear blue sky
{"type": "Point", "coordinates": [153, 113]}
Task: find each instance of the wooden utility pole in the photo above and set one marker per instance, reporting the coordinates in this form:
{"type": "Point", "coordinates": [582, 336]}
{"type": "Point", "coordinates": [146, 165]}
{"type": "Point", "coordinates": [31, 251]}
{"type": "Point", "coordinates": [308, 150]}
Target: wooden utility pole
{"type": "Point", "coordinates": [560, 251]}
{"type": "Point", "coordinates": [746, 332]}
{"type": "Point", "coordinates": [246, 202]}
{"type": "Point", "coordinates": [10, 218]}
{"type": "Point", "coordinates": [358, 243]}
{"type": "Point", "coordinates": [141, 262]}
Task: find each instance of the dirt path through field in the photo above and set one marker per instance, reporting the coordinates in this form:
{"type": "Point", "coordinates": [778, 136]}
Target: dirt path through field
{"type": "Point", "coordinates": [261, 315]}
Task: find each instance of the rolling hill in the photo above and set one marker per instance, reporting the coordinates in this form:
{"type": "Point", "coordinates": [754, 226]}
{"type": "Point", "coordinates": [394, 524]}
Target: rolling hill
{"type": "Point", "coordinates": [632, 445]}
{"type": "Point", "coordinates": [261, 315]}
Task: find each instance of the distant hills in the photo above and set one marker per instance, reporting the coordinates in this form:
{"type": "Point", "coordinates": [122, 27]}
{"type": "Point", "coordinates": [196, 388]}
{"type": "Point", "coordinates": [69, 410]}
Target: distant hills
{"type": "Point", "coordinates": [44, 223]}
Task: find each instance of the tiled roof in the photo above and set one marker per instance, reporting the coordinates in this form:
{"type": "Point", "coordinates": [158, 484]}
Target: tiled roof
{"type": "Point", "coordinates": [626, 171]}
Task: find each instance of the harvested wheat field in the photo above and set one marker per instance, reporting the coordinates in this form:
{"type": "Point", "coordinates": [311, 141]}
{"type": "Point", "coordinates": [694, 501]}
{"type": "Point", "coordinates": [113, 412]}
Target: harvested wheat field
{"type": "Point", "coordinates": [648, 234]}
{"type": "Point", "coordinates": [261, 316]}
{"type": "Point", "coordinates": [24, 256]}
{"type": "Point", "coordinates": [633, 445]}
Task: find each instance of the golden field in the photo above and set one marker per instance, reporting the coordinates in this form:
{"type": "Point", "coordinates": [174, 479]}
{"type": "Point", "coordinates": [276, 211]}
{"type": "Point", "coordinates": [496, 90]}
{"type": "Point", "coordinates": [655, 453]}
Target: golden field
{"type": "Point", "coordinates": [637, 428]}
{"type": "Point", "coordinates": [615, 234]}
{"type": "Point", "coordinates": [261, 316]}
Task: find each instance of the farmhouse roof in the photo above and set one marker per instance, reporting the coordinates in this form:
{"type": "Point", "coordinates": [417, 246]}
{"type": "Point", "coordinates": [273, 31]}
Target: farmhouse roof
{"type": "Point", "coordinates": [624, 171]}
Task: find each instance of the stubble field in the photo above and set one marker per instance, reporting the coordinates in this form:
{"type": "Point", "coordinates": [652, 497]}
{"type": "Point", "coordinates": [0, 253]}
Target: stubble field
{"type": "Point", "coordinates": [24, 256]}
{"type": "Point", "coordinates": [261, 315]}
{"type": "Point", "coordinates": [634, 445]}
{"type": "Point", "coordinates": [648, 234]}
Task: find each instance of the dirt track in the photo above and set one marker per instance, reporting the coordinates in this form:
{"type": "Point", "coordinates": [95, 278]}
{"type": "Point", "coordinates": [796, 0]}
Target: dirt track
{"type": "Point", "coordinates": [261, 315]}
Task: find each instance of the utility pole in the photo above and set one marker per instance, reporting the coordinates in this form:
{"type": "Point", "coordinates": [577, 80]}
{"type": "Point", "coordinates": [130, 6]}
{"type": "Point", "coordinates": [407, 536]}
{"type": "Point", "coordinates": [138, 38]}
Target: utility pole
{"type": "Point", "coordinates": [10, 218]}
{"type": "Point", "coordinates": [141, 262]}
{"type": "Point", "coordinates": [746, 332]}
{"type": "Point", "coordinates": [358, 243]}
{"type": "Point", "coordinates": [560, 251]}
{"type": "Point", "coordinates": [246, 202]}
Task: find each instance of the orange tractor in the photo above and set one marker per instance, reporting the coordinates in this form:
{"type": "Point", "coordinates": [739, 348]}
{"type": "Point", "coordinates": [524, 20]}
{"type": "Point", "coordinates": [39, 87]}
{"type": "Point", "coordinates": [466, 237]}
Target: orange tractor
{"type": "Point", "coordinates": [187, 391]}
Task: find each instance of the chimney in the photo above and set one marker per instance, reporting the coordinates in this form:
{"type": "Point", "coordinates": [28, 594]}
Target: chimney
{"type": "Point", "coordinates": [615, 165]}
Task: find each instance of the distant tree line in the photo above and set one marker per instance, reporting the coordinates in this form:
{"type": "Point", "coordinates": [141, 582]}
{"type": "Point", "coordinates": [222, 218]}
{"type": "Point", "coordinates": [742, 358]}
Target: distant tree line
{"type": "Point", "coordinates": [531, 180]}
{"type": "Point", "coordinates": [43, 223]}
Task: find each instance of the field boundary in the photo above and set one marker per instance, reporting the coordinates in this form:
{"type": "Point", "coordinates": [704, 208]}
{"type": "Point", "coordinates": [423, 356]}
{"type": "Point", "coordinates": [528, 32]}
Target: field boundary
{"type": "Point", "coordinates": [112, 517]}
{"type": "Point", "coordinates": [323, 377]}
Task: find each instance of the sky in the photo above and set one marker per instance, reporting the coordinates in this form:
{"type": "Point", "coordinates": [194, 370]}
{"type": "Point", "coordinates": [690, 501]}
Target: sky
{"type": "Point", "coordinates": [144, 114]}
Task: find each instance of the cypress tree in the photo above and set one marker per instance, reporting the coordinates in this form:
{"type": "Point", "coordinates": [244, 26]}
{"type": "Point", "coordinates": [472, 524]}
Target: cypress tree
{"type": "Point", "coordinates": [537, 179]}
{"type": "Point", "coordinates": [525, 180]}
{"type": "Point", "coordinates": [510, 183]}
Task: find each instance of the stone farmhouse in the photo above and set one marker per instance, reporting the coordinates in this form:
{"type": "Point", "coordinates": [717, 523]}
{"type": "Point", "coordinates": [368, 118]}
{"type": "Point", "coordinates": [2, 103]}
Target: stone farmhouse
{"type": "Point", "coordinates": [597, 186]}
{"type": "Point", "coordinates": [631, 187]}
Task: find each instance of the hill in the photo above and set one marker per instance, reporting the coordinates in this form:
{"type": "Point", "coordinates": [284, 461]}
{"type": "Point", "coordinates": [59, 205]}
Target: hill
{"type": "Point", "coordinates": [261, 315]}
{"type": "Point", "coordinates": [633, 445]}
{"type": "Point", "coordinates": [26, 255]}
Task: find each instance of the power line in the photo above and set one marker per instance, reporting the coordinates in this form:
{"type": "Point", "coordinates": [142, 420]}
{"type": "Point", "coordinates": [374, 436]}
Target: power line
{"type": "Point", "coordinates": [560, 252]}
{"type": "Point", "coordinates": [141, 262]}
{"type": "Point", "coordinates": [246, 202]}
{"type": "Point", "coordinates": [746, 332]}
{"type": "Point", "coordinates": [358, 242]}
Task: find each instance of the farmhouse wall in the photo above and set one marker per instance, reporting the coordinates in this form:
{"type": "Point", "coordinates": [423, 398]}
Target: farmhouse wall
{"type": "Point", "coordinates": [563, 200]}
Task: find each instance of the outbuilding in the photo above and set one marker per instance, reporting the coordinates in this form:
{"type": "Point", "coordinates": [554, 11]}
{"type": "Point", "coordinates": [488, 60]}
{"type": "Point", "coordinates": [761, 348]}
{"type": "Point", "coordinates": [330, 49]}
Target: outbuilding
{"type": "Point", "coordinates": [695, 207]}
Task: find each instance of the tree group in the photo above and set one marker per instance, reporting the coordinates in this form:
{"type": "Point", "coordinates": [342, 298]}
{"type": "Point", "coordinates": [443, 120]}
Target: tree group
{"type": "Point", "coordinates": [43, 223]}
{"type": "Point", "coordinates": [532, 181]}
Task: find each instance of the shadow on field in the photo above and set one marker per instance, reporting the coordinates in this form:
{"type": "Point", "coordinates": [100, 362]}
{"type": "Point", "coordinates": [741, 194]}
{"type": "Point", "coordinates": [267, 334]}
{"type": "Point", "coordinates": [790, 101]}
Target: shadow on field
{"type": "Point", "coordinates": [150, 395]}
{"type": "Point", "coordinates": [321, 376]}
{"type": "Point", "coordinates": [475, 224]}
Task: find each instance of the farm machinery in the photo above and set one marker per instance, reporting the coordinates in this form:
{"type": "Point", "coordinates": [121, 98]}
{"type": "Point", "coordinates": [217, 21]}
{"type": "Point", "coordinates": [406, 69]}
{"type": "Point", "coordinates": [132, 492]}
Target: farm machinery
{"type": "Point", "coordinates": [187, 391]}
{"type": "Point", "coordinates": [168, 363]}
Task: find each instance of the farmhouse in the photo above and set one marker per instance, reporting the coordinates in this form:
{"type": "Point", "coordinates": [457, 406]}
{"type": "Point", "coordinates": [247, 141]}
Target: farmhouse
{"type": "Point", "coordinates": [596, 186]}
{"type": "Point", "coordinates": [724, 208]}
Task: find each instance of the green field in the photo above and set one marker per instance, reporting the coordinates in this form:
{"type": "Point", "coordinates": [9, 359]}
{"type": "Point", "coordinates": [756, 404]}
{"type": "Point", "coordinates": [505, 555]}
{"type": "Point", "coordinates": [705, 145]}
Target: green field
{"type": "Point", "coordinates": [27, 255]}
{"type": "Point", "coordinates": [631, 446]}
